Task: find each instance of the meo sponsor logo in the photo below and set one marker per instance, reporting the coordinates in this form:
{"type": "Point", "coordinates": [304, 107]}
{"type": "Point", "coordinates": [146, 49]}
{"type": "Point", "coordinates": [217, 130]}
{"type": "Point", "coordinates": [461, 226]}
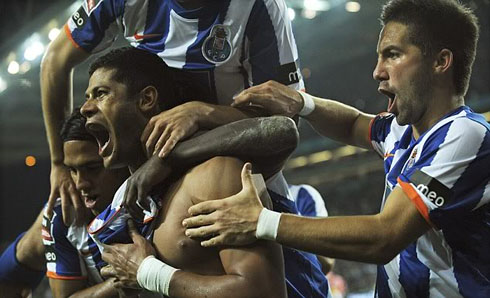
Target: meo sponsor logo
{"type": "Point", "coordinates": [431, 195]}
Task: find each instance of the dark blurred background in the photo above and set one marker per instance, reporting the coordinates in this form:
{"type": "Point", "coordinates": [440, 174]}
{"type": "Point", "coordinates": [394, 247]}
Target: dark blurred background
{"type": "Point", "coordinates": [336, 41]}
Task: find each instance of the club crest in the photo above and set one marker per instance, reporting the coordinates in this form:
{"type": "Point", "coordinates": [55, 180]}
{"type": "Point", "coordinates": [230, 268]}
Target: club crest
{"type": "Point", "coordinates": [217, 46]}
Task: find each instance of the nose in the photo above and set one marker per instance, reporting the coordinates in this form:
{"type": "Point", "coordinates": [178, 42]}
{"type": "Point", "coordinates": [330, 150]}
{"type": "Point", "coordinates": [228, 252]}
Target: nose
{"type": "Point", "coordinates": [83, 183]}
{"type": "Point", "coordinates": [379, 72]}
{"type": "Point", "coordinates": [89, 108]}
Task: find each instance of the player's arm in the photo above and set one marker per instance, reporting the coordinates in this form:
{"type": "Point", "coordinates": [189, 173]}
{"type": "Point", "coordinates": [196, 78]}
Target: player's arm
{"type": "Point", "coordinates": [267, 142]}
{"type": "Point", "coordinates": [276, 137]}
{"type": "Point", "coordinates": [250, 271]}
{"type": "Point", "coordinates": [56, 98]}
{"type": "Point", "coordinates": [330, 118]}
{"type": "Point", "coordinates": [78, 288]}
{"type": "Point", "coordinates": [372, 238]}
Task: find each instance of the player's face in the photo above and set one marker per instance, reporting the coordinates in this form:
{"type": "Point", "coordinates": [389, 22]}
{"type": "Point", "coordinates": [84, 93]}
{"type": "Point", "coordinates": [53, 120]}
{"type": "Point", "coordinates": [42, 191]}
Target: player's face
{"type": "Point", "coordinates": [404, 74]}
{"type": "Point", "coordinates": [96, 184]}
{"type": "Point", "coordinates": [114, 119]}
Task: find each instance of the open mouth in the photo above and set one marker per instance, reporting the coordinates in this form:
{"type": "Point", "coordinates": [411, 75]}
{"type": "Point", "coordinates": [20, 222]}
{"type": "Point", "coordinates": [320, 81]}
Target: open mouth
{"type": "Point", "coordinates": [90, 201]}
{"type": "Point", "coordinates": [391, 99]}
{"type": "Point", "coordinates": [101, 135]}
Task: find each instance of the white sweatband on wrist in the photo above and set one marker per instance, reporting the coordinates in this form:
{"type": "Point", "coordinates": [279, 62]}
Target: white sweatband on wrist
{"type": "Point", "coordinates": [268, 224]}
{"type": "Point", "coordinates": [154, 275]}
{"type": "Point", "coordinates": [309, 104]}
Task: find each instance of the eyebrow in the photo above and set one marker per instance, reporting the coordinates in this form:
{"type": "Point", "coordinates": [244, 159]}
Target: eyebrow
{"type": "Point", "coordinates": [391, 47]}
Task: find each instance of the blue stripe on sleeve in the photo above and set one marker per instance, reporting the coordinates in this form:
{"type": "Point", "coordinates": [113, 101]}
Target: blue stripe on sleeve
{"type": "Point", "coordinates": [414, 276]}
{"type": "Point", "coordinates": [92, 33]}
{"type": "Point", "coordinates": [264, 55]}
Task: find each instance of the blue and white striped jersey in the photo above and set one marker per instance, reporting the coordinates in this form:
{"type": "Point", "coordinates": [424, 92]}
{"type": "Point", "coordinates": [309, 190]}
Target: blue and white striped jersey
{"type": "Point", "coordinates": [216, 50]}
{"type": "Point", "coordinates": [70, 252]}
{"type": "Point", "coordinates": [308, 200]}
{"type": "Point", "coordinates": [74, 252]}
{"type": "Point", "coordinates": [446, 174]}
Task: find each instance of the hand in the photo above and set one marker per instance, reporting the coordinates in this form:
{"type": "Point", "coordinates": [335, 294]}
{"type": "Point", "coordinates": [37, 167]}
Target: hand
{"type": "Point", "coordinates": [274, 97]}
{"type": "Point", "coordinates": [166, 129]}
{"type": "Point", "coordinates": [230, 221]}
{"type": "Point", "coordinates": [125, 259]}
{"type": "Point", "coordinates": [141, 182]}
{"type": "Point", "coordinates": [62, 186]}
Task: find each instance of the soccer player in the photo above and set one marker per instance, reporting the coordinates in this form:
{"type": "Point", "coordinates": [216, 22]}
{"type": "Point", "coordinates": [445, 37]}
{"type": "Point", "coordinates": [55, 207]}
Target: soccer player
{"type": "Point", "coordinates": [117, 110]}
{"type": "Point", "coordinates": [431, 236]}
{"type": "Point", "coordinates": [215, 50]}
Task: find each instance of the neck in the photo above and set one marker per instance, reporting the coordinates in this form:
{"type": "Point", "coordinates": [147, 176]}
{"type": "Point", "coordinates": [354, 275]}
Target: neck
{"type": "Point", "coordinates": [441, 104]}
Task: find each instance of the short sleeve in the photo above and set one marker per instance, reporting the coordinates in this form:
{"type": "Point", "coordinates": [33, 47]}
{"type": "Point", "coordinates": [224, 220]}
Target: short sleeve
{"type": "Point", "coordinates": [270, 46]}
{"type": "Point", "coordinates": [95, 26]}
{"type": "Point", "coordinates": [450, 176]}
{"type": "Point", "coordinates": [62, 258]}
{"type": "Point", "coordinates": [379, 129]}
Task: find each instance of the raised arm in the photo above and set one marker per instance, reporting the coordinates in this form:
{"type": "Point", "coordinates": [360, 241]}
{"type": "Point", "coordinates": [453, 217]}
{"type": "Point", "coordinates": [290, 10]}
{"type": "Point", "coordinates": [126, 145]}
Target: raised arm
{"type": "Point", "coordinates": [56, 97]}
{"type": "Point", "coordinates": [330, 118]}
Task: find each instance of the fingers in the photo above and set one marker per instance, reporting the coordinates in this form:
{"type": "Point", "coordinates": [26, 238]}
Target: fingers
{"type": "Point", "coordinates": [202, 232]}
{"type": "Point", "coordinates": [247, 97]}
{"type": "Point", "coordinates": [174, 138]}
{"type": "Point", "coordinates": [153, 138]}
{"type": "Point", "coordinates": [76, 201]}
{"type": "Point", "coordinates": [162, 139]}
{"type": "Point", "coordinates": [148, 130]}
{"type": "Point", "coordinates": [51, 202]}
{"type": "Point", "coordinates": [215, 241]}
{"type": "Point", "coordinates": [66, 206]}
{"type": "Point", "coordinates": [108, 272]}
{"type": "Point", "coordinates": [205, 207]}
{"type": "Point", "coordinates": [247, 181]}
{"type": "Point", "coordinates": [133, 232]}
{"type": "Point", "coordinates": [200, 220]}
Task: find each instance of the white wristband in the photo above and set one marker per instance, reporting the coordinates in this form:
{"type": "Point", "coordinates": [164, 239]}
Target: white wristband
{"type": "Point", "coordinates": [268, 224]}
{"type": "Point", "coordinates": [309, 104]}
{"type": "Point", "coordinates": [154, 275]}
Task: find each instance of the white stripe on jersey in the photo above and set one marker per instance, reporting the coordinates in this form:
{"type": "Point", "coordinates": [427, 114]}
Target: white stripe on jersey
{"type": "Point", "coordinates": [441, 276]}
{"type": "Point", "coordinates": [182, 34]}
{"type": "Point", "coordinates": [486, 197]}
{"type": "Point", "coordinates": [393, 271]}
{"type": "Point", "coordinates": [136, 11]}
{"type": "Point", "coordinates": [458, 124]}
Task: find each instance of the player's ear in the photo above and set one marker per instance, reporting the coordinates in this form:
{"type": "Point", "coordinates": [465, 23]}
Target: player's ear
{"type": "Point", "coordinates": [148, 99]}
{"type": "Point", "coordinates": [443, 61]}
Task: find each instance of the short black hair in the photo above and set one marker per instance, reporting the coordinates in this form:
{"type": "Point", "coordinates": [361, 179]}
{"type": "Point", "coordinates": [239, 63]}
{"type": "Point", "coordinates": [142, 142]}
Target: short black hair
{"type": "Point", "coordinates": [137, 69]}
{"type": "Point", "coordinates": [439, 24]}
{"type": "Point", "coordinates": [73, 128]}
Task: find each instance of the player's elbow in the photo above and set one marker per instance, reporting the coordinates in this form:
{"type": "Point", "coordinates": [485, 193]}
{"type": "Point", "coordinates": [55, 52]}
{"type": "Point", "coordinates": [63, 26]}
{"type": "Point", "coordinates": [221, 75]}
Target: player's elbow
{"type": "Point", "coordinates": [288, 132]}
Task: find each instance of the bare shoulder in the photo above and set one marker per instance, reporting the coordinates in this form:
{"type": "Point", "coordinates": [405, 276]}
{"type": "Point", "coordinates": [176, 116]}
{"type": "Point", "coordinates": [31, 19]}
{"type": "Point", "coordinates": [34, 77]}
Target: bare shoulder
{"type": "Point", "coordinates": [215, 178]}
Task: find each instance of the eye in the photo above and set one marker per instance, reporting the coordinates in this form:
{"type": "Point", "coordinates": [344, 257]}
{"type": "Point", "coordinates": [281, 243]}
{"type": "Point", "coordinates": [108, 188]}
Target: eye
{"type": "Point", "coordinates": [393, 54]}
{"type": "Point", "coordinates": [101, 93]}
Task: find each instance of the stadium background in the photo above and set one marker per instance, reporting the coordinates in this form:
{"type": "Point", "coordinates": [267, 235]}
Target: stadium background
{"type": "Point", "coordinates": [336, 42]}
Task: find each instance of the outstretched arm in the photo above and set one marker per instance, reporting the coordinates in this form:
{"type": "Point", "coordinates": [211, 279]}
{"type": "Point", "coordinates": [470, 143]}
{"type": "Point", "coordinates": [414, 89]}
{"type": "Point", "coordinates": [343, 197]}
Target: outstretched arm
{"type": "Point", "coordinates": [330, 118]}
{"type": "Point", "coordinates": [374, 238]}
{"type": "Point", "coordinates": [56, 98]}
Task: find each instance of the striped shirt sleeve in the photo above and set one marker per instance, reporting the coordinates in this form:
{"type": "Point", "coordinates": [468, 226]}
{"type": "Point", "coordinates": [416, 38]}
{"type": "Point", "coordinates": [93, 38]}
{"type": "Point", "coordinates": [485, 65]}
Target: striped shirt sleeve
{"type": "Point", "coordinates": [62, 258]}
{"type": "Point", "coordinates": [95, 25]}
{"type": "Point", "coordinates": [449, 177]}
{"type": "Point", "coordinates": [379, 130]}
{"type": "Point", "coordinates": [272, 52]}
